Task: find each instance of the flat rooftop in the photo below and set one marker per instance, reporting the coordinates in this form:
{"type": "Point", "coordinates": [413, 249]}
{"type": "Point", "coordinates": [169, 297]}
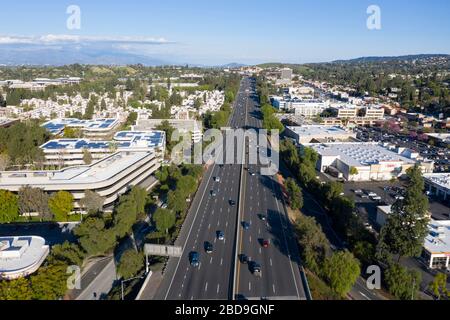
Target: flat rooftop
{"type": "Point", "coordinates": [359, 154]}
{"type": "Point", "coordinates": [102, 170]}
{"type": "Point", "coordinates": [440, 179]}
{"type": "Point", "coordinates": [58, 125]}
{"type": "Point", "coordinates": [125, 140]}
{"type": "Point", "coordinates": [20, 253]}
{"type": "Point", "coordinates": [319, 130]}
{"type": "Point", "coordinates": [438, 239]}
{"type": "Point", "coordinates": [445, 137]}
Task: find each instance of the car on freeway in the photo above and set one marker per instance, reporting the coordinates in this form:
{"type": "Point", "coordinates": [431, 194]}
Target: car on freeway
{"type": "Point", "coordinates": [209, 248]}
{"type": "Point", "coordinates": [220, 235]}
{"type": "Point", "coordinates": [217, 179]}
{"type": "Point", "coordinates": [194, 259]}
{"type": "Point", "coordinates": [213, 193]}
{"type": "Point", "coordinates": [252, 173]}
{"type": "Point", "coordinates": [255, 268]}
{"type": "Point", "coordinates": [263, 217]}
{"type": "Point", "coordinates": [244, 258]}
{"type": "Point", "coordinates": [232, 203]}
{"type": "Point", "coordinates": [245, 225]}
{"type": "Point", "coordinates": [265, 243]}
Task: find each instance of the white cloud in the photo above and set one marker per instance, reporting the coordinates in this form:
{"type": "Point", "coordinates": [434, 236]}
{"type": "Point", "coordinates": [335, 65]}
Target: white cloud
{"type": "Point", "coordinates": [52, 39]}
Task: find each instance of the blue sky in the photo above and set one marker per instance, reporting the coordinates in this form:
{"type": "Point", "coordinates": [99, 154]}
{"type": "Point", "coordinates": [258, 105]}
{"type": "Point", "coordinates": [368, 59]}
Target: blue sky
{"type": "Point", "coordinates": [247, 31]}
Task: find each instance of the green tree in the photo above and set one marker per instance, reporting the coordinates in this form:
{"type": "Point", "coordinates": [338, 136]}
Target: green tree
{"type": "Point", "coordinates": [34, 200]}
{"type": "Point", "coordinates": [19, 289]}
{"type": "Point", "coordinates": [354, 171]}
{"type": "Point", "coordinates": [341, 271]}
{"type": "Point", "coordinates": [313, 242]}
{"type": "Point", "coordinates": [402, 283]}
{"type": "Point", "coordinates": [50, 282]}
{"type": "Point", "coordinates": [125, 216]}
{"type": "Point", "coordinates": [61, 204]}
{"type": "Point", "coordinates": [69, 253]}
{"type": "Point", "coordinates": [164, 220]}
{"type": "Point", "coordinates": [439, 286]}
{"type": "Point", "coordinates": [9, 207]}
{"type": "Point", "coordinates": [407, 226]}
{"type": "Point", "coordinates": [94, 238]}
{"type": "Point", "coordinates": [92, 202]}
{"type": "Point", "coordinates": [294, 193]}
{"type": "Point", "coordinates": [87, 157]}
{"type": "Point", "coordinates": [131, 262]}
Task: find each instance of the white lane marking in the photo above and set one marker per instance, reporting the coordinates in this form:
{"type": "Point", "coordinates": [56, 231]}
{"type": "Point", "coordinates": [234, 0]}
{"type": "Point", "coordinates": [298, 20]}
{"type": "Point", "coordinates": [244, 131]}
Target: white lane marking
{"type": "Point", "coordinates": [249, 286]}
{"type": "Point", "coordinates": [209, 226]}
{"type": "Point", "coordinates": [218, 288]}
{"type": "Point", "coordinates": [273, 288]}
{"type": "Point", "coordinates": [367, 298]}
{"type": "Point", "coordinates": [199, 266]}
{"type": "Point", "coordinates": [206, 287]}
{"type": "Point", "coordinates": [260, 251]}
{"type": "Point", "coordinates": [271, 262]}
{"type": "Point", "coordinates": [259, 231]}
{"type": "Point", "coordinates": [250, 239]}
{"type": "Point", "coordinates": [221, 261]}
{"type": "Point", "coordinates": [210, 261]}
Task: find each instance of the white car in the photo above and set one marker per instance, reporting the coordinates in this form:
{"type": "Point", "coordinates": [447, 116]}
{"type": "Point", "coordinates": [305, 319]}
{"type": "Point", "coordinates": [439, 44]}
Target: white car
{"type": "Point", "coordinates": [217, 179]}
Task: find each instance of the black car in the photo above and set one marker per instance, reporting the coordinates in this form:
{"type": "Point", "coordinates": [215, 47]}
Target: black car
{"type": "Point", "coordinates": [243, 258]}
{"type": "Point", "coordinates": [209, 247]}
{"type": "Point", "coordinates": [232, 203]}
{"type": "Point", "coordinates": [255, 268]}
{"type": "Point", "coordinates": [194, 259]}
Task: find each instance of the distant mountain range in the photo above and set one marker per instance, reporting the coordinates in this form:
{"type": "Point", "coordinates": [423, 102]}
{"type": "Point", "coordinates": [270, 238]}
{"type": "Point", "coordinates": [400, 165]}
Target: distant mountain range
{"type": "Point", "coordinates": [393, 58]}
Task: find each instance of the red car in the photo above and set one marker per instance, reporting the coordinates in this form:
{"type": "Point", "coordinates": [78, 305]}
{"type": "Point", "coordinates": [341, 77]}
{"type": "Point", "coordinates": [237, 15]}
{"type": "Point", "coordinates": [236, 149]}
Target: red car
{"type": "Point", "coordinates": [265, 243]}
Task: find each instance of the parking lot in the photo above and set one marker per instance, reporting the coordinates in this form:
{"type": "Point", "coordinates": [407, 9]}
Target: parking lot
{"type": "Point", "coordinates": [53, 233]}
{"type": "Point", "coordinates": [440, 156]}
{"type": "Point", "coordinates": [389, 193]}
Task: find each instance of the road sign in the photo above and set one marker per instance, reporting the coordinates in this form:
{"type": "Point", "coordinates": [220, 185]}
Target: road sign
{"type": "Point", "coordinates": [162, 250]}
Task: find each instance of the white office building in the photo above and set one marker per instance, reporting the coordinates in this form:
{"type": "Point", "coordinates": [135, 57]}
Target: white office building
{"type": "Point", "coordinates": [94, 129]}
{"type": "Point", "coordinates": [21, 256]}
{"type": "Point", "coordinates": [71, 152]}
{"type": "Point", "coordinates": [306, 108]}
{"type": "Point", "coordinates": [194, 127]}
{"type": "Point", "coordinates": [110, 177]}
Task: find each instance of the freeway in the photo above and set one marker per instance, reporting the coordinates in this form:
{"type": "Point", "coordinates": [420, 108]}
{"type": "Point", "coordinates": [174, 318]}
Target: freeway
{"type": "Point", "coordinates": [208, 215]}
{"type": "Point", "coordinates": [220, 276]}
{"type": "Point", "coordinates": [263, 209]}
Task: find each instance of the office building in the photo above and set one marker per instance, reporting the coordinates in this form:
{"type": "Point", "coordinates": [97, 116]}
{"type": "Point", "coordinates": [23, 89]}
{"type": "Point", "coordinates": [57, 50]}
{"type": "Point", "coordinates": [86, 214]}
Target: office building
{"type": "Point", "coordinates": [109, 177]}
{"type": "Point", "coordinates": [94, 129]}
{"type": "Point", "coordinates": [21, 256]}
{"type": "Point", "coordinates": [71, 152]}
{"type": "Point", "coordinates": [194, 127]}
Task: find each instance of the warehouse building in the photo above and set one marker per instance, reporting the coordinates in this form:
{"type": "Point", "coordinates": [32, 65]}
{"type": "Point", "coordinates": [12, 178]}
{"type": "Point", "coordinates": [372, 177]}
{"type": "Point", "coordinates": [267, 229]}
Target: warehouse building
{"type": "Point", "coordinates": [319, 134]}
{"type": "Point", "coordinates": [436, 249]}
{"type": "Point", "coordinates": [360, 161]}
{"type": "Point", "coordinates": [438, 185]}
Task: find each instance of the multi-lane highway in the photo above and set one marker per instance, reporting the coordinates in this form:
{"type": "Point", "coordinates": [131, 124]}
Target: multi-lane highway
{"type": "Point", "coordinates": [220, 275]}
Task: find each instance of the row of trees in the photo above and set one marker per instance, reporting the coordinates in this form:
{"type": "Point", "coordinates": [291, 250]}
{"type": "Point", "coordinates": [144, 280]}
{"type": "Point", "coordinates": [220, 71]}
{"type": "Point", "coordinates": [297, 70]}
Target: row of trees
{"type": "Point", "coordinates": [402, 236]}
{"type": "Point", "coordinates": [178, 184]}
{"type": "Point", "coordinates": [35, 201]}
{"type": "Point", "coordinates": [19, 144]}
